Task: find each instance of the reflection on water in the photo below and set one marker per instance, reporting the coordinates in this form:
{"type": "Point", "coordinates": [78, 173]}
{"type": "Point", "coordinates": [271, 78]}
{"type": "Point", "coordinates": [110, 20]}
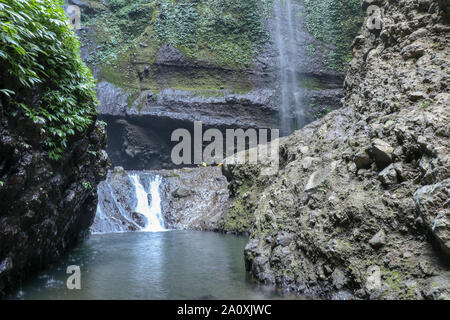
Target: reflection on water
{"type": "Point", "coordinates": [162, 265]}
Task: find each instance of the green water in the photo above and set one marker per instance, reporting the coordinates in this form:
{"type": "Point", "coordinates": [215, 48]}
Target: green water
{"type": "Point", "coordinates": [162, 265]}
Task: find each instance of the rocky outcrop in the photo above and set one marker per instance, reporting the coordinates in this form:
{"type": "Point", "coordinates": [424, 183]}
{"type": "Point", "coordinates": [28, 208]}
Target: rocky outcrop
{"type": "Point", "coordinates": [194, 198]}
{"type": "Point", "coordinates": [159, 76]}
{"type": "Point", "coordinates": [433, 203]}
{"type": "Point", "coordinates": [52, 148]}
{"type": "Point", "coordinates": [250, 110]}
{"type": "Point", "coordinates": [116, 204]}
{"type": "Point", "coordinates": [47, 206]}
{"type": "Point", "coordinates": [359, 207]}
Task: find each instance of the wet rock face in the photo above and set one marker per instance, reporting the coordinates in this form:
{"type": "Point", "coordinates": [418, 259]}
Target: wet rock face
{"type": "Point", "coordinates": [155, 88]}
{"type": "Point", "coordinates": [144, 142]}
{"type": "Point", "coordinates": [254, 109]}
{"type": "Point", "coordinates": [116, 205]}
{"type": "Point", "coordinates": [433, 203]}
{"type": "Point", "coordinates": [46, 207]}
{"type": "Point", "coordinates": [375, 227]}
{"type": "Point", "coordinates": [140, 143]}
{"type": "Point", "coordinates": [194, 199]}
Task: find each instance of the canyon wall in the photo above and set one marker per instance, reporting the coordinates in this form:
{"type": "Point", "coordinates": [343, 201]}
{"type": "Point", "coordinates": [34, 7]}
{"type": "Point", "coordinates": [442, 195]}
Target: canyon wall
{"type": "Point", "coordinates": [52, 148]}
{"type": "Point", "coordinates": [359, 207]}
{"type": "Point", "coordinates": [162, 65]}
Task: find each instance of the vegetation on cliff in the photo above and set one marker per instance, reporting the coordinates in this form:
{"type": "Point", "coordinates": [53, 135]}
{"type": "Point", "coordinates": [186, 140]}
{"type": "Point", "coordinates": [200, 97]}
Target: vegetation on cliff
{"type": "Point", "coordinates": [39, 51]}
{"type": "Point", "coordinates": [223, 33]}
{"type": "Point", "coordinates": [47, 113]}
{"type": "Point", "coordinates": [208, 46]}
{"type": "Point", "coordinates": [335, 23]}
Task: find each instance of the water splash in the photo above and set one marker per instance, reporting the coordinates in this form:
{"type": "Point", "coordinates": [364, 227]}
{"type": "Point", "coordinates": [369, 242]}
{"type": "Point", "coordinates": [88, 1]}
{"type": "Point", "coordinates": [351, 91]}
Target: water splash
{"type": "Point", "coordinates": [152, 212]}
{"type": "Point", "coordinates": [288, 40]}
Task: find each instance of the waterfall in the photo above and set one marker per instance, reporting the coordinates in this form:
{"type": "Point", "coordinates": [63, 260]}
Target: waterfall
{"type": "Point", "coordinates": [129, 202]}
{"type": "Point", "coordinates": [152, 212]}
{"type": "Point", "coordinates": [288, 41]}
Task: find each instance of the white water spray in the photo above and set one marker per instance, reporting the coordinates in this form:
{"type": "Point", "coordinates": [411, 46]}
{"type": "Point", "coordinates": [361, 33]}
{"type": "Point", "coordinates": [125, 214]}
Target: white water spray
{"type": "Point", "coordinates": [152, 212]}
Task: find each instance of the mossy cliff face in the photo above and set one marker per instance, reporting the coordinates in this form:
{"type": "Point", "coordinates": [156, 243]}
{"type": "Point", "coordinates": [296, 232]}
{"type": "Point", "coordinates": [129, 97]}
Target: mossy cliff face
{"type": "Point", "coordinates": [333, 24]}
{"type": "Point", "coordinates": [213, 61]}
{"type": "Point", "coordinates": [51, 145]}
{"type": "Point", "coordinates": [214, 49]}
{"type": "Point", "coordinates": [359, 207]}
{"type": "Point", "coordinates": [138, 45]}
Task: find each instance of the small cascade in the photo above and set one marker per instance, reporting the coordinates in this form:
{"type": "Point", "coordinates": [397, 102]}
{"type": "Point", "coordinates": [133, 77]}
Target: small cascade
{"type": "Point", "coordinates": [151, 212]}
{"type": "Point", "coordinates": [288, 40]}
{"type": "Point", "coordinates": [129, 202]}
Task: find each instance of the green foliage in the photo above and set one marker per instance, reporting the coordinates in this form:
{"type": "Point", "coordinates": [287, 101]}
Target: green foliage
{"type": "Point", "coordinates": [267, 7]}
{"type": "Point", "coordinates": [424, 104]}
{"type": "Point", "coordinates": [177, 23]}
{"type": "Point", "coordinates": [87, 185]}
{"type": "Point", "coordinates": [335, 23]}
{"type": "Point", "coordinates": [38, 47]}
{"type": "Point", "coordinates": [116, 29]}
{"type": "Point", "coordinates": [225, 33]}
{"type": "Point", "coordinates": [132, 15]}
{"type": "Point", "coordinates": [229, 32]}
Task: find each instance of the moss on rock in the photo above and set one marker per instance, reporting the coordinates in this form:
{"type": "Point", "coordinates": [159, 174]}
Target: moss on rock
{"type": "Point", "coordinates": [335, 23]}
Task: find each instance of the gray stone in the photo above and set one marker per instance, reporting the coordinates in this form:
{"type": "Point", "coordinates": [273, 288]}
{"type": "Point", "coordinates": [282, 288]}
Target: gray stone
{"type": "Point", "coordinates": [6, 265]}
{"type": "Point", "coordinates": [414, 50]}
{"type": "Point", "coordinates": [416, 95]}
{"type": "Point", "coordinates": [181, 193]}
{"type": "Point", "coordinates": [319, 177]}
{"type": "Point", "coordinates": [373, 282]}
{"type": "Point", "coordinates": [284, 240]}
{"type": "Point", "coordinates": [307, 162]}
{"type": "Point", "coordinates": [119, 170]}
{"type": "Point", "coordinates": [192, 199]}
{"type": "Point", "coordinates": [113, 100]}
{"type": "Point", "coordinates": [382, 152]}
{"type": "Point", "coordinates": [378, 240]}
{"type": "Point", "coordinates": [339, 279]}
{"type": "Point", "coordinates": [438, 288]}
{"type": "Point", "coordinates": [80, 3]}
{"type": "Point", "coordinates": [168, 55]}
{"type": "Point", "coordinates": [432, 203]}
{"type": "Point", "coordinates": [426, 268]}
{"type": "Point", "coordinates": [139, 218]}
{"type": "Point", "coordinates": [388, 176]}
{"type": "Point", "coordinates": [362, 160]}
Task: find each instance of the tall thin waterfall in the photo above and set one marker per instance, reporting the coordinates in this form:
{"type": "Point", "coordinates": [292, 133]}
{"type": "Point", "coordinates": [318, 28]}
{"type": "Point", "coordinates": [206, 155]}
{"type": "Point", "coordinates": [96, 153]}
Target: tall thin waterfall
{"type": "Point", "coordinates": [152, 212]}
{"type": "Point", "coordinates": [288, 41]}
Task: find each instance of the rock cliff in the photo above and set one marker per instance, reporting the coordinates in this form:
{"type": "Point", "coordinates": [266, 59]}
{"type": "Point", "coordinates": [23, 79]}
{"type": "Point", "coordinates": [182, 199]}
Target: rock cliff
{"type": "Point", "coordinates": [52, 148]}
{"type": "Point", "coordinates": [172, 63]}
{"type": "Point", "coordinates": [359, 207]}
